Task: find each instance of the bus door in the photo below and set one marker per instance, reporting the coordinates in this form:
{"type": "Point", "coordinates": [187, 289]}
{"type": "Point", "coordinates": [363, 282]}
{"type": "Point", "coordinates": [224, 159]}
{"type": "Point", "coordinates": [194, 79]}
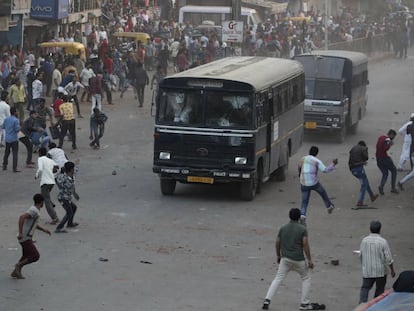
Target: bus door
{"type": "Point", "coordinates": [263, 139]}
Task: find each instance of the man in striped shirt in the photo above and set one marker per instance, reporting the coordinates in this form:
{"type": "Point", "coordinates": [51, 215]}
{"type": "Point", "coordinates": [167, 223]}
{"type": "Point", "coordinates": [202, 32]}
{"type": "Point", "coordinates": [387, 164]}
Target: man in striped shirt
{"type": "Point", "coordinates": [308, 173]}
{"type": "Point", "coordinates": [375, 257]}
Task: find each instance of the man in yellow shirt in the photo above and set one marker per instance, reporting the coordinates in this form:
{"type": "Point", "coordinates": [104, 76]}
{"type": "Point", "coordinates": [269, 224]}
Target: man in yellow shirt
{"type": "Point", "coordinates": [68, 121]}
{"type": "Point", "coordinates": [18, 96]}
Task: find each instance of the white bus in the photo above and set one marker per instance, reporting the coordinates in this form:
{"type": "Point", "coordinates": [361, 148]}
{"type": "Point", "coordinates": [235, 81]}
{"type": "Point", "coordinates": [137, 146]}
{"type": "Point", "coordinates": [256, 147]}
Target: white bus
{"type": "Point", "coordinates": [235, 120]}
{"type": "Point", "coordinates": [196, 14]}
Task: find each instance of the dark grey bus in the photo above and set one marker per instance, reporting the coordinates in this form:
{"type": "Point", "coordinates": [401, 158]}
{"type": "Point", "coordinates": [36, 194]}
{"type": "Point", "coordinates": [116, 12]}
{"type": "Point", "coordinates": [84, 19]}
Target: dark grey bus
{"type": "Point", "coordinates": [336, 85]}
{"type": "Point", "coordinates": [235, 120]}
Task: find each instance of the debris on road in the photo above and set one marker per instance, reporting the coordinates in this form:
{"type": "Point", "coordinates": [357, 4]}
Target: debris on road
{"type": "Point", "coordinates": [145, 262]}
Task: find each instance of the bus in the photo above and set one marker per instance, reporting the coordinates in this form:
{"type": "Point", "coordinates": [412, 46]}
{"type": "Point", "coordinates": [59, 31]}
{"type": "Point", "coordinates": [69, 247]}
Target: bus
{"type": "Point", "coordinates": [197, 14]}
{"type": "Point", "coordinates": [235, 120]}
{"type": "Point", "coordinates": [336, 91]}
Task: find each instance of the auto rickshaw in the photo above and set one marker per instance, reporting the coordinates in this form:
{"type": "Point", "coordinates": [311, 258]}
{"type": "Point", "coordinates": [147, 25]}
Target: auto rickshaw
{"type": "Point", "coordinates": [73, 48]}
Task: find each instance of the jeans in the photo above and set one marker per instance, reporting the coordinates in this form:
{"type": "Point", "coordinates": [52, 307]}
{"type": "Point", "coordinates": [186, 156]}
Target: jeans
{"type": "Point", "coordinates": [385, 165]}
{"type": "Point", "coordinates": [97, 131]}
{"type": "Point", "coordinates": [367, 284]}
{"type": "Point", "coordinates": [285, 266]}
{"type": "Point", "coordinates": [29, 148]}
{"type": "Point", "coordinates": [96, 101]}
{"type": "Point", "coordinates": [108, 92]}
{"type": "Point", "coordinates": [76, 101]}
{"type": "Point", "coordinates": [359, 173]}
{"type": "Point", "coordinates": [70, 209]}
{"type": "Point", "coordinates": [45, 191]}
{"type": "Point", "coordinates": [2, 134]}
{"type": "Point", "coordinates": [40, 138]}
{"type": "Point", "coordinates": [14, 148]}
{"type": "Point", "coordinates": [306, 191]}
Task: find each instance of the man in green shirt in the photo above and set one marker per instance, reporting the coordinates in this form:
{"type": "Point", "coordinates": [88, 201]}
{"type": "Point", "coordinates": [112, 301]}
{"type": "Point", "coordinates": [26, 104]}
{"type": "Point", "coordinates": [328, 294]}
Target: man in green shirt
{"type": "Point", "coordinates": [291, 248]}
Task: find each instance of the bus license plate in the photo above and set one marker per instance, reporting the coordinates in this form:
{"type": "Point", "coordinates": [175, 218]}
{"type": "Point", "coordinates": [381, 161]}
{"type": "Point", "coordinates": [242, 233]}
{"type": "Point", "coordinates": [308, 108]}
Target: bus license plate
{"type": "Point", "coordinates": [203, 180]}
{"type": "Point", "coordinates": [310, 125]}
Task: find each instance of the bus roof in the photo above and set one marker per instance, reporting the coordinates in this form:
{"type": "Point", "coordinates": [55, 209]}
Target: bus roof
{"type": "Point", "coordinates": [259, 72]}
{"type": "Point", "coordinates": [213, 9]}
{"type": "Point", "coordinates": [356, 58]}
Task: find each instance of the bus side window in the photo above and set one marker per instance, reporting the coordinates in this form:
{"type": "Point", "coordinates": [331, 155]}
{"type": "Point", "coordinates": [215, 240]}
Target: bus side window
{"type": "Point", "coordinates": [295, 90]}
{"type": "Point", "coordinates": [260, 100]}
{"type": "Point", "coordinates": [283, 98]}
{"type": "Point", "coordinates": [277, 103]}
{"type": "Point", "coordinates": [301, 88]}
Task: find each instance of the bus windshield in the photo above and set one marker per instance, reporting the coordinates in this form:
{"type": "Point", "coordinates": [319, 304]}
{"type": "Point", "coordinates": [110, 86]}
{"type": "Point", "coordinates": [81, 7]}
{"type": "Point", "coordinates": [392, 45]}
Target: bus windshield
{"type": "Point", "coordinates": [323, 89]}
{"type": "Point", "coordinates": [199, 108]}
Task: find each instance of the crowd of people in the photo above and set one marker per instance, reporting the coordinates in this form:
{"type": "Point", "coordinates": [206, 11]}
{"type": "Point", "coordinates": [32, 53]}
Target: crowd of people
{"type": "Point", "coordinates": [292, 244]}
{"type": "Point", "coordinates": [29, 78]}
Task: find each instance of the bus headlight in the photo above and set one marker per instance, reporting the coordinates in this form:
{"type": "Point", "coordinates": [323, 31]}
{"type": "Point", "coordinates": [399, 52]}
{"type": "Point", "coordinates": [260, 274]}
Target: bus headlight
{"type": "Point", "coordinates": [337, 120]}
{"type": "Point", "coordinates": [165, 155]}
{"type": "Point", "coordinates": [240, 160]}
{"type": "Point", "coordinates": [329, 119]}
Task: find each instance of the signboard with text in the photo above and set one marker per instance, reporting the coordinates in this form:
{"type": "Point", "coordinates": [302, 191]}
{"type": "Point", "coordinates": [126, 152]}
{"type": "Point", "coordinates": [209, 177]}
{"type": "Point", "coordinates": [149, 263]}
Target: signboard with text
{"type": "Point", "coordinates": [20, 5]}
{"type": "Point", "coordinates": [5, 7]}
{"type": "Point", "coordinates": [49, 9]}
{"type": "Point", "coordinates": [232, 31]}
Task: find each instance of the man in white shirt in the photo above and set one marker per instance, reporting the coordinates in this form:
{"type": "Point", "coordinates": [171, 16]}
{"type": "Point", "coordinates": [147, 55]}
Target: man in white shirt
{"type": "Point", "coordinates": [4, 113]}
{"type": "Point", "coordinates": [57, 155]}
{"type": "Point", "coordinates": [375, 257]}
{"type": "Point", "coordinates": [405, 152]}
{"type": "Point", "coordinates": [102, 34]}
{"type": "Point", "coordinates": [46, 168]}
{"type": "Point", "coordinates": [72, 88]}
{"type": "Point", "coordinates": [37, 89]}
{"type": "Point", "coordinates": [56, 80]}
{"type": "Point", "coordinates": [86, 74]}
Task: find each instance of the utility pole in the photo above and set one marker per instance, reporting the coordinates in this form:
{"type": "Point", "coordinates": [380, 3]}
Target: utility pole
{"type": "Point", "coordinates": [235, 10]}
{"type": "Point", "coordinates": [326, 24]}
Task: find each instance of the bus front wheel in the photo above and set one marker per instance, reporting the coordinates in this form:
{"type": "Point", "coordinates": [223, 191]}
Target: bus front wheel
{"type": "Point", "coordinates": [248, 189]}
{"type": "Point", "coordinates": [167, 186]}
{"type": "Point", "coordinates": [341, 135]}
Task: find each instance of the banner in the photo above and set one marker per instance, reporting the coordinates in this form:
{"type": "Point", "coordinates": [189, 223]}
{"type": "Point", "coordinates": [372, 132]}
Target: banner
{"type": "Point", "coordinates": [49, 9]}
{"type": "Point", "coordinates": [21, 5]}
{"type": "Point", "coordinates": [232, 31]}
{"type": "Point", "coordinates": [5, 7]}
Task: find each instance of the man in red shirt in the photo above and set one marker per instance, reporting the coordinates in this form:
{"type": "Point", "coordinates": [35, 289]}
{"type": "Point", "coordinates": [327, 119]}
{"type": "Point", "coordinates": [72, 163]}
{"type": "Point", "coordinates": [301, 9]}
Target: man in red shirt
{"type": "Point", "coordinates": [384, 162]}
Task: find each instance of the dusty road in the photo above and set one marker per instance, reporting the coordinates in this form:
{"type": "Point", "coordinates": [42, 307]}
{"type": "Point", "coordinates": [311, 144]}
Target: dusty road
{"type": "Point", "coordinates": [201, 249]}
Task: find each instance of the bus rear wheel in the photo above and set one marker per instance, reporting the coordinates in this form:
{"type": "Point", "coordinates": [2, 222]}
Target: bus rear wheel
{"type": "Point", "coordinates": [248, 189]}
{"type": "Point", "coordinates": [282, 172]}
{"type": "Point", "coordinates": [167, 186]}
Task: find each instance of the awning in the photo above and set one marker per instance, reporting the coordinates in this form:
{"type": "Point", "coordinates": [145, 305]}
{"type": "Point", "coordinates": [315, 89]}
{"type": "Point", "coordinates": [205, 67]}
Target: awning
{"type": "Point", "coordinates": [273, 7]}
{"type": "Point", "coordinates": [31, 22]}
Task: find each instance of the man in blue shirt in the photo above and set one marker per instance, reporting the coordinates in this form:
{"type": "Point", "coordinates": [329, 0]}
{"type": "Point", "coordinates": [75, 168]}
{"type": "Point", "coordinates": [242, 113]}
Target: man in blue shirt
{"type": "Point", "coordinates": [11, 125]}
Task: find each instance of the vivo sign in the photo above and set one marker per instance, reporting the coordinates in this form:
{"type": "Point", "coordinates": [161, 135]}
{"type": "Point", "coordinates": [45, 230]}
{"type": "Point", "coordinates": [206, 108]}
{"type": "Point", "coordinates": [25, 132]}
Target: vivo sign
{"type": "Point", "coordinates": [49, 9]}
{"type": "Point", "coordinates": [44, 9]}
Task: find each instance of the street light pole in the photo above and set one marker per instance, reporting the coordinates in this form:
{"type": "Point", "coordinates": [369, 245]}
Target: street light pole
{"type": "Point", "coordinates": [236, 9]}
{"type": "Point", "coordinates": [326, 24]}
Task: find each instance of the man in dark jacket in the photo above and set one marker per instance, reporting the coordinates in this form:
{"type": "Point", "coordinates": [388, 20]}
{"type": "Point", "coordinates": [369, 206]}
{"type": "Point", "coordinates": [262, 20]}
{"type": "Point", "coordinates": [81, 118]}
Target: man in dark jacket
{"type": "Point", "coordinates": [358, 157]}
{"type": "Point", "coordinates": [141, 80]}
